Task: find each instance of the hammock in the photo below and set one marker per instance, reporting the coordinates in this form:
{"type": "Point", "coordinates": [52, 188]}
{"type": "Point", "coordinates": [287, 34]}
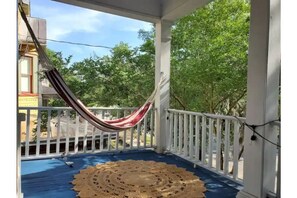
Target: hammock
{"type": "Point", "coordinates": [66, 94]}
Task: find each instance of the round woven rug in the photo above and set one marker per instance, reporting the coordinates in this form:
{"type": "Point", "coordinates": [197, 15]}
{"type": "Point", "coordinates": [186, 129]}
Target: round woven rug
{"type": "Point", "coordinates": [137, 178]}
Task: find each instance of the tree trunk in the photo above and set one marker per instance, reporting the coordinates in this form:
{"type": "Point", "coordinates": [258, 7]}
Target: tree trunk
{"type": "Point", "coordinates": [178, 100]}
{"type": "Point", "coordinates": [222, 158]}
{"type": "Point", "coordinates": [239, 156]}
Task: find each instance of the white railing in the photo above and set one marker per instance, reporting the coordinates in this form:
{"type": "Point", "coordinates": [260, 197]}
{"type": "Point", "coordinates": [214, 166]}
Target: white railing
{"type": "Point", "coordinates": [212, 141]}
{"type": "Point", "coordinates": [52, 131]}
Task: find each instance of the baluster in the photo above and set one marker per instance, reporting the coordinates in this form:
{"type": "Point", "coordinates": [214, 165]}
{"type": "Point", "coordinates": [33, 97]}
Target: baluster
{"type": "Point", "coordinates": [102, 140]}
{"type": "Point", "coordinates": [109, 142]}
{"type": "Point", "coordinates": [170, 131]}
{"type": "Point", "coordinates": [235, 149]}
{"type": "Point", "coordinates": [145, 131]}
{"type": "Point", "coordinates": [125, 133]}
{"type": "Point", "coordinates": [152, 126]}
{"type": "Point", "coordinates": [58, 132]}
{"type": "Point", "coordinates": [191, 138]}
{"type": "Point", "coordinates": [48, 140]}
{"type": "Point", "coordinates": [85, 137]}
{"type": "Point", "coordinates": [93, 139]}
{"type": "Point", "coordinates": [76, 132]}
{"type": "Point", "coordinates": [226, 147]}
{"type": "Point", "coordinates": [38, 132]}
{"type": "Point", "coordinates": [180, 136]}
{"type": "Point", "coordinates": [67, 132]}
{"type": "Point", "coordinates": [218, 152]}
{"type": "Point", "coordinates": [27, 147]}
{"type": "Point", "coordinates": [138, 135]}
{"type": "Point", "coordinates": [131, 137]}
{"type": "Point", "coordinates": [186, 136]}
{"type": "Point", "coordinates": [117, 141]}
{"type": "Point", "coordinates": [124, 141]}
{"type": "Point", "coordinates": [175, 133]}
{"type": "Point", "coordinates": [203, 139]}
{"type": "Point", "coordinates": [197, 138]}
{"type": "Point", "coordinates": [210, 139]}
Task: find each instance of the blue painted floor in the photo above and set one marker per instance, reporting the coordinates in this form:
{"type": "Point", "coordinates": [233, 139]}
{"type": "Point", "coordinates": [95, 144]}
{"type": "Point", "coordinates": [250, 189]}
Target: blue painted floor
{"type": "Point", "coordinates": [50, 178]}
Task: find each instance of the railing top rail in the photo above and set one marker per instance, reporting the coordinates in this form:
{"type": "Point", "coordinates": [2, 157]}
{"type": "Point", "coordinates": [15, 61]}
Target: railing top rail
{"type": "Point", "coordinates": [215, 116]}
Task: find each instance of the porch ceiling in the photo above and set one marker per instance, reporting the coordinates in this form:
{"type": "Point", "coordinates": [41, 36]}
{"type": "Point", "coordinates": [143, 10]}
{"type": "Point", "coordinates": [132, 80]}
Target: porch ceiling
{"type": "Point", "coordinates": [145, 10]}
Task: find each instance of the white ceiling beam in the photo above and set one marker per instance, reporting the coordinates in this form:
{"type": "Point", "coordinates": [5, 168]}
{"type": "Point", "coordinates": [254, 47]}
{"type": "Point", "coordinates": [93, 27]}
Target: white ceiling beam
{"type": "Point", "coordinates": [175, 9]}
{"type": "Point", "coordinates": [144, 10]}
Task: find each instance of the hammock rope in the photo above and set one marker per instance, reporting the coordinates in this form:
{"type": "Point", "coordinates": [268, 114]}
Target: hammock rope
{"type": "Point", "coordinates": [66, 94]}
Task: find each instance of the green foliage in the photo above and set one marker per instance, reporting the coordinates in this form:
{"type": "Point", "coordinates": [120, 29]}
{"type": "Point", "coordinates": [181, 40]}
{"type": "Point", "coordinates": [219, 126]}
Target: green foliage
{"type": "Point", "coordinates": [124, 78]}
{"type": "Point", "coordinates": [209, 57]}
{"type": "Point", "coordinates": [62, 65]}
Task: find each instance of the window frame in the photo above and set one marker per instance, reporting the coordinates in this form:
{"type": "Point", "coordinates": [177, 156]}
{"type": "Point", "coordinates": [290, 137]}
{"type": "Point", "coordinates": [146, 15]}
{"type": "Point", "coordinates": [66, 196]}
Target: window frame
{"type": "Point", "coordinates": [29, 76]}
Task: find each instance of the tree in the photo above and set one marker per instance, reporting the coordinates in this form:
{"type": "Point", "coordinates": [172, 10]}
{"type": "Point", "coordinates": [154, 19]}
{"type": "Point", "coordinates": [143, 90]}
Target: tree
{"type": "Point", "coordinates": [124, 78]}
{"type": "Point", "coordinates": [209, 58]}
{"type": "Point", "coordinates": [62, 65]}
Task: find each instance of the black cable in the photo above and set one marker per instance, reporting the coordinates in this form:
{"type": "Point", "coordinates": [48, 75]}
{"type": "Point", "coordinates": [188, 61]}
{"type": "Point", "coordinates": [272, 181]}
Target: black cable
{"type": "Point", "coordinates": [265, 123]}
{"type": "Point", "coordinates": [253, 128]}
{"type": "Point", "coordinates": [72, 43]}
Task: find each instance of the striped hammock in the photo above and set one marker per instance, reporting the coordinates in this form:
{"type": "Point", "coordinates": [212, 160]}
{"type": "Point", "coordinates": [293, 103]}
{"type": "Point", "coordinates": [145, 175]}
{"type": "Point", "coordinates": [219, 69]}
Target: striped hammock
{"type": "Point", "coordinates": [66, 94]}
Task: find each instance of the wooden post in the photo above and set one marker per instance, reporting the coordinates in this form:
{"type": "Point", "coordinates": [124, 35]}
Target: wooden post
{"type": "Point", "coordinates": [162, 60]}
{"type": "Point", "coordinates": [262, 98]}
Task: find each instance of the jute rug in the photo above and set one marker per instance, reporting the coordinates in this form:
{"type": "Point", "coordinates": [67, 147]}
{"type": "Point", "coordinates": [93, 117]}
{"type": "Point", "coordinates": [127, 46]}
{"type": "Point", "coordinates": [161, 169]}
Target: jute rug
{"type": "Point", "coordinates": [137, 178]}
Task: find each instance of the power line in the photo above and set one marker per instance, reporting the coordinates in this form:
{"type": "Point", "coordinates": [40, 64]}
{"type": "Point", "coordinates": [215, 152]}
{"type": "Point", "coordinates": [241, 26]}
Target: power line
{"type": "Point", "coordinates": [84, 44]}
{"type": "Point", "coordinates": [72, 43]}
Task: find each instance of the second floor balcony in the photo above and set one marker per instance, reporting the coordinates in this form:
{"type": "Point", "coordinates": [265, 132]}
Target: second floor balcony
{"type": "Point", "coordinates": [39, 28]}
{"type": "Point", "coordinates": [209, 145]}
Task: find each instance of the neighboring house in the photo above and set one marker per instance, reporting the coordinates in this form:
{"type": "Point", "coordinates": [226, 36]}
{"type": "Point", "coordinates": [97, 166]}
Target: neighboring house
{"type": "Point", "coordinates": [31, 91]}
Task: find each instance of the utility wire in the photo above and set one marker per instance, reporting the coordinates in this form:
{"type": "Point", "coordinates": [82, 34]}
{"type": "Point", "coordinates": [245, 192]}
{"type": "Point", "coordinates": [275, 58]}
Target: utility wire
{"type": "Point", "coordinates": [72, 43]}
{"type": "Point", "coordinates": [83, 44]}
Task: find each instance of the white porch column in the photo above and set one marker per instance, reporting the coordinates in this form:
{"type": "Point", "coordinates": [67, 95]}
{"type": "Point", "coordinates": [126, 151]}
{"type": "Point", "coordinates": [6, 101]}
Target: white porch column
{"type": "Point", "coordinates": [162, 65]}
{"type": "Point", "coordinates": [262, 97]}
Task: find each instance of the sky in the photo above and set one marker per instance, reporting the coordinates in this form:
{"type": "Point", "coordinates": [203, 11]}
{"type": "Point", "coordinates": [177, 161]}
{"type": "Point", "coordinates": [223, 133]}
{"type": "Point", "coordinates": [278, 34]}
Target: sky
{"type": "Point", "coordinates": [70, 23]}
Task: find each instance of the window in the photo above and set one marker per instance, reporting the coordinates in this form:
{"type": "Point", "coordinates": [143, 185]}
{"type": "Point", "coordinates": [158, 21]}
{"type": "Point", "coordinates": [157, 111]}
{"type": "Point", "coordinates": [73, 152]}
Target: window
{"type": "Point", "coordinates": [26, 77]}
